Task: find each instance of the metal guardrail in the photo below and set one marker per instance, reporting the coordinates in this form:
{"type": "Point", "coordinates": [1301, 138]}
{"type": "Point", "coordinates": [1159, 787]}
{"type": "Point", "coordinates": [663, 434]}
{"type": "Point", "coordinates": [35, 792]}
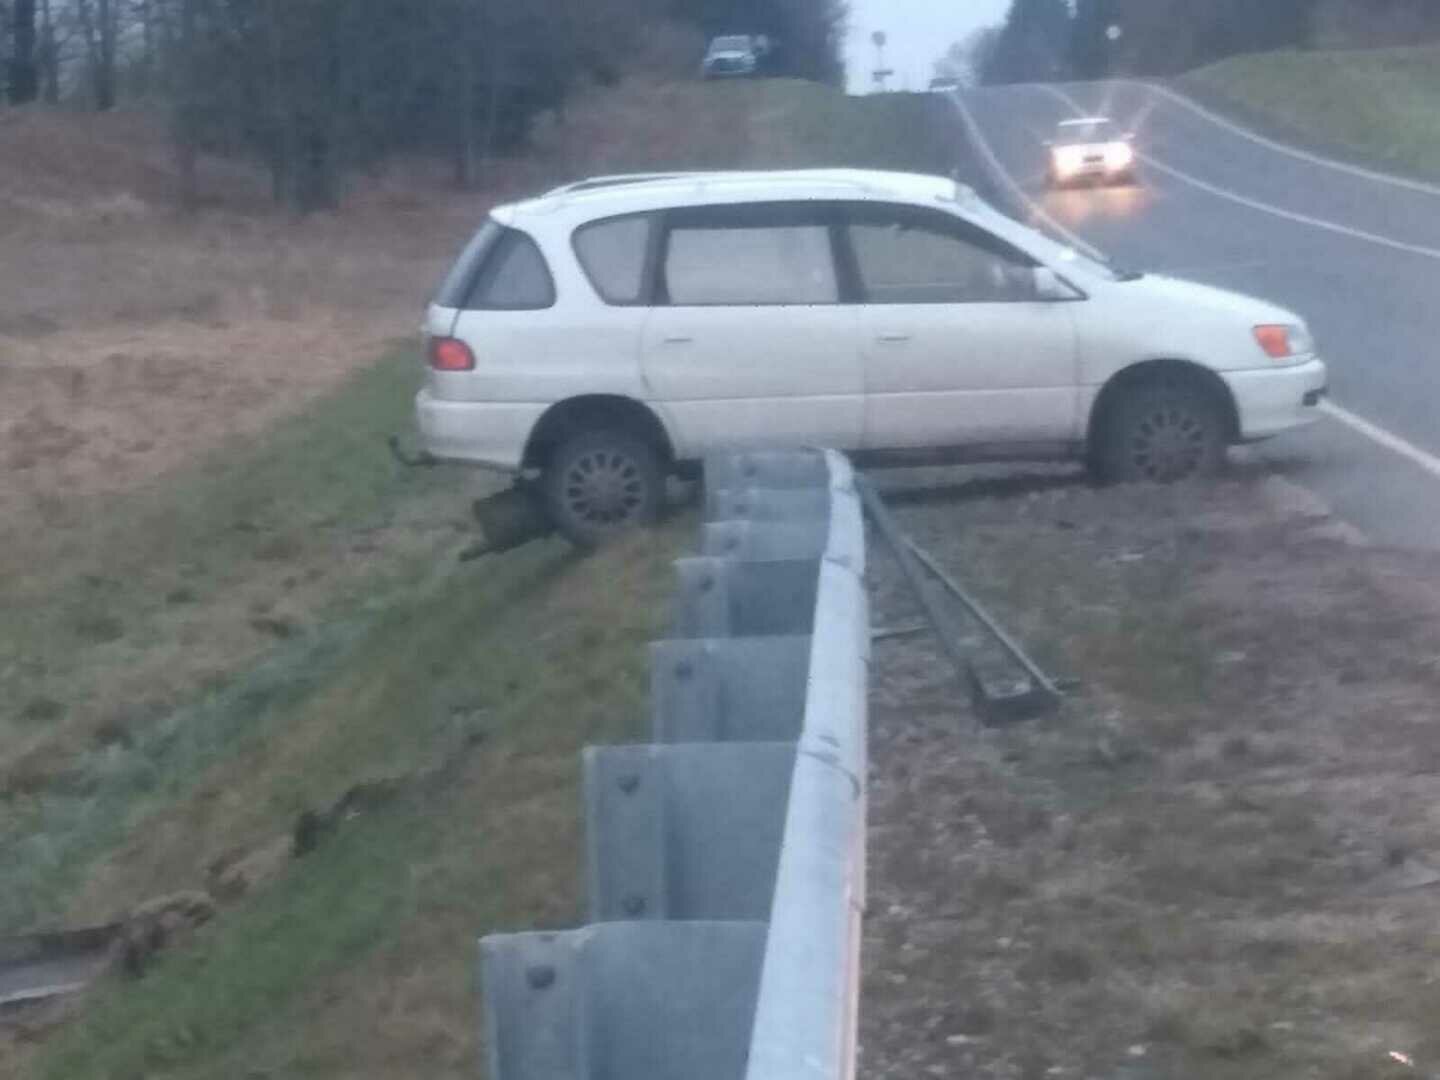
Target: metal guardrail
{"type": "Point", "coordinates": [725, 862]}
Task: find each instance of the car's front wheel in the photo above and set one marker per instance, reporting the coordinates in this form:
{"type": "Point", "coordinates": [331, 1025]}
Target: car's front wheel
{"type": "Point", "coordinates": [598, 484]}
{"type": "Point", "coordinates": [1162, 433]}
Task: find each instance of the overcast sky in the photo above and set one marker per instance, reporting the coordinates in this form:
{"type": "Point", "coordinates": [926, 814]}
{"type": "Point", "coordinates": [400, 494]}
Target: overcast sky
{"type": "Point", "coordinates": [919, 32]}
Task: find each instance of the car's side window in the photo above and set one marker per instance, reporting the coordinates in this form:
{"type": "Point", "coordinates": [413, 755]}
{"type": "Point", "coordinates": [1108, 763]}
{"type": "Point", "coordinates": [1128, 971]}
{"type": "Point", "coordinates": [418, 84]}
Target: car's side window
{"type": "Point", "coordinates": [515, 277]}
{"type": "Point", "coordinates": [749, 255]}
{"type": "Point", "coordinates": [904, 258]}
{"type": "Point", "coordinates": [613, 254]}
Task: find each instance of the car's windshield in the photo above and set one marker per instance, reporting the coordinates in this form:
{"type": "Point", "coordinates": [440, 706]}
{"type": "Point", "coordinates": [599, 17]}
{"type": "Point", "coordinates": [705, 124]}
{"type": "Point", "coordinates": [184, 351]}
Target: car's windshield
{"type": "Point", "coordinates": [730, 44]}
{"type": "Point", "coordinates": [1090, 131]}
{"type": "Point", "coordinates": [1063, 258]}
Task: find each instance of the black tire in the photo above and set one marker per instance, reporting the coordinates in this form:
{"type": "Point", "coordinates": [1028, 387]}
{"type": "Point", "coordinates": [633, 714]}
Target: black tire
{"type": "Point", "coordinates": [1162, 433]}
{"type": "Point", "coordinates": [599, 484]}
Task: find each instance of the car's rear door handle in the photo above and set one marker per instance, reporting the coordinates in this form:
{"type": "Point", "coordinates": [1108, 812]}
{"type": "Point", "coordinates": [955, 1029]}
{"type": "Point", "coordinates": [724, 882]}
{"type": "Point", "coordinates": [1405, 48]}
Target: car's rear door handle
{"type": "Point", "coordinates": [678, 339]}
{"type": "Point", "coordinates": [894, 338]}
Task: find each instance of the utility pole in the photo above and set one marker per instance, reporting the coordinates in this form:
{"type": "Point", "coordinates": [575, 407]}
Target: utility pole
{"type": "Point", "coordinates": [881, 72]}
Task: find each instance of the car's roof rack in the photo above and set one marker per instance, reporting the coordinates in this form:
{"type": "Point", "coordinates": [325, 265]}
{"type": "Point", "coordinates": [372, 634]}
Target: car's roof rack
{"type": "Point", "coordinates": [616, 180]}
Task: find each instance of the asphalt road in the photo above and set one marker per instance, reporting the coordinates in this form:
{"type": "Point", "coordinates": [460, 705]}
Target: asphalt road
{"type": "Point", "coordinates": [1356, 254]}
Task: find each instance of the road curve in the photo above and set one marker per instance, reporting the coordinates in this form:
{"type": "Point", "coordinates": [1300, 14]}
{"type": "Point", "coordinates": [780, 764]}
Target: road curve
{"type": "Point", "coordinates": [1356, 252]}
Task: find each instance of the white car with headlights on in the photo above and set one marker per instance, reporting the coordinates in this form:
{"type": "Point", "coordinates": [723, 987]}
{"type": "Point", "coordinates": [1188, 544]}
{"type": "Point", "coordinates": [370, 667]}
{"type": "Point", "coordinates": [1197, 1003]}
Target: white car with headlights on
{"type": "Point", "coordinates": [595, 339]}
{"type": "Point", "coordinates": [1090, 149]}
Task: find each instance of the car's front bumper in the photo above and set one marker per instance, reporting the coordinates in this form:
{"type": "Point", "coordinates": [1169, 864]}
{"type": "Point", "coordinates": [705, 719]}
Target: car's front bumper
{"type": "Point", "coordinates": [1092, 171]}
{"type": "Point", "coordinates": [486, 433]}
{"type": "Point", "coordinates": [1272, 400]}
{"type": "Point", "coordinates": [712, 71]}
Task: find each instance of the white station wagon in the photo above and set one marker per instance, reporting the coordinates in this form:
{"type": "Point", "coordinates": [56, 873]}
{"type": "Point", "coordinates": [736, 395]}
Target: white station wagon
{"type": "Point", "coordinates": [600, 337]}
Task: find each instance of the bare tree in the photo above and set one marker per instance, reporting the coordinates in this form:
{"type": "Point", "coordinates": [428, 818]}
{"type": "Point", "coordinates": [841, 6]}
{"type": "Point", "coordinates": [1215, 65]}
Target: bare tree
{"type": "Point", "coordinates": [24, 81]}
{"type": "Point", "coordinates": [100, 28]}
{"type": "Point", "coordinates": [187, 133]}
{"type": "Point", "coordinates": [48, 55]}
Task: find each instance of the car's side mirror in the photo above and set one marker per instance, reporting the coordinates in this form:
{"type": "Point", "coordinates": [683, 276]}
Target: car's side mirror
{"type": "Point", "coordinates": [1051, 286]}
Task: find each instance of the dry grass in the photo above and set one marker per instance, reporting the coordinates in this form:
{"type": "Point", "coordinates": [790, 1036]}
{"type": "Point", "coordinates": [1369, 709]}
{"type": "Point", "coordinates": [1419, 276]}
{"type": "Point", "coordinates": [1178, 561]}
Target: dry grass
{"type": "Point", "coordinates": [146, 359]}
{"type": "Point", "coordinates": [475, 695]}
{"type": "Point", "coordinates": [1214, 862]}
{"type": "Point", "coordinates": [224, 604]}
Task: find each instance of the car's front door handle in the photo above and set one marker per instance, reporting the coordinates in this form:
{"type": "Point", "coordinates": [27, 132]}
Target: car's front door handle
{"type": "Point", "coordinates": [679, 339]}
{"type": "Point", "coordinates": [895, 338]}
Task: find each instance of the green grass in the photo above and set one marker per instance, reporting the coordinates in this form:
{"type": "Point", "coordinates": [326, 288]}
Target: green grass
{"type": "Point", "coordinates": [475, 686]}
{"type": "Point", "coordinates": [256, 516]}
{"type": "Point", "coordinates": [538, 656]}
{"type": "Point", "coordinates": [1382, 104]}
{"type": "Point", "coordinates": [761, 124]}
{"type": "Point", "coordinates": [802, 125]}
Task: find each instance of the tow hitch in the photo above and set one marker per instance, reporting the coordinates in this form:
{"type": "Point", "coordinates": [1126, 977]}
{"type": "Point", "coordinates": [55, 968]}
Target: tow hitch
{"type": "Point", "coordinates": [421, 460]}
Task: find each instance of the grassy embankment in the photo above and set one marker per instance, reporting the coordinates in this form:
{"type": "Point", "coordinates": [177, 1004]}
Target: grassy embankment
{"type": "Point", "coordinates": [1381, 105]}
{"type": "Point", "coordinates": [193, 660]}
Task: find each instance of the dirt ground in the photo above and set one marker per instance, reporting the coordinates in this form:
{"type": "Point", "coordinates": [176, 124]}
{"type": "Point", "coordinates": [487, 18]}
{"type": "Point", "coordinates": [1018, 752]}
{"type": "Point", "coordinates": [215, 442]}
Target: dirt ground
{"type": "Point", "coordinates": [1220, 858]}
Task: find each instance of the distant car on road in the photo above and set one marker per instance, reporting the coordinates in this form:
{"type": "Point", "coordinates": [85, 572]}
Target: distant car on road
{"type": "Point", "coordinates": [734, 56]}
{"type": "Point", "coordinates": [1091, 148]}
{"type": "Point", "coordinates": [599, 337]}
{"type": "Point", "coordinates": [944, 84]}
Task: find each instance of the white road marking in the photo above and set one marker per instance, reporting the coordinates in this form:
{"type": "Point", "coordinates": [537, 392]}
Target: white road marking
{"type": "Point", "coordinates": [1263, 207]}
{"type": "Point", "coordinates": [1279, 147]}
{"type": "Point", "coordinates": [1404, 447]}
{"type": "Point", "coordinates": [1374, 432]}
{"type": "Point", "coordinates": [978, 140]}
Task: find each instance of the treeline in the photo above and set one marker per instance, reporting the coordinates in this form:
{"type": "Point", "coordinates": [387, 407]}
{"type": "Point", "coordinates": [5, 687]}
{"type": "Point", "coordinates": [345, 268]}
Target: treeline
{"type": "Point", "coordinates": [1051, 39]}
{"type": "Point", "coordinates": [317, 89]}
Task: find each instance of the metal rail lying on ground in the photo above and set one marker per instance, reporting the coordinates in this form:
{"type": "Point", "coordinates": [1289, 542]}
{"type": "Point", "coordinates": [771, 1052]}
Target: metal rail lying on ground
{"type": "Point", "coordinates": [999, 697]}
{"type": "Point", "coordinates": [725, 862]}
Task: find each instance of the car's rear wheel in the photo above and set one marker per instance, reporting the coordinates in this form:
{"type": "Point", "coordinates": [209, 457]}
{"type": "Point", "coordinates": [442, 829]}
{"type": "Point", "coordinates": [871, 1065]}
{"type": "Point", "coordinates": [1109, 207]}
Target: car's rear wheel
{"type": "Point", "coordinates": [1162, 433]}
{"type": "Point", "coordinates": [599, 484]}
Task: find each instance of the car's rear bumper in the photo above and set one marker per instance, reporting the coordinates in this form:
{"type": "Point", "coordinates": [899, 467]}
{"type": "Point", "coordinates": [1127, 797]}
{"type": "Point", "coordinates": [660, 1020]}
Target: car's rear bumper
{"type": "Point", "coordinates": [1272, 400]}
{"type": "Point", "coordinates": [487, 433]}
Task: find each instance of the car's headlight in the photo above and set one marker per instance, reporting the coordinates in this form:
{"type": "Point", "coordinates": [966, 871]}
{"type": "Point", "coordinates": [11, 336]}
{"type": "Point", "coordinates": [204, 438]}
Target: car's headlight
{"type": "Point", "coordinates": [1069, 158]}
{"type": "Point", "coordinates": [1119, 156]}
{"type": "Point", "coordinates": [1281, 341]}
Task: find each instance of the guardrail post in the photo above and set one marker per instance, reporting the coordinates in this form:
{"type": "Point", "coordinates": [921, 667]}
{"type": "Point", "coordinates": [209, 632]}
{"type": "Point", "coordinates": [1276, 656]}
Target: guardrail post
{"type": "Point", "coordinates": [685, 832]}
{"type": "Point", "coordinates": [622, 1001]}
{"type": "Point", "coordinates": [729, 690]}
{"type": "Point", "coordinates": [749, 806]}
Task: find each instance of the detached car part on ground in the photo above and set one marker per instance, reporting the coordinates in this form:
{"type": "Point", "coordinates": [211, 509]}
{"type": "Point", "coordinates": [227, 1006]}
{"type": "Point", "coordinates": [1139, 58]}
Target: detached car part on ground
{"type": "Point", "coordinates": [602, 337]}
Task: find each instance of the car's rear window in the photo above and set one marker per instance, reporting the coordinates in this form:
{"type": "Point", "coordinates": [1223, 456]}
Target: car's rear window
{"type": "Point", "coordinates": [501, 269]}
{"type": "Point", "coordinates": [456, 286]}
{"type": "Point", "coordinates": [612, 254]}
{"type": "Point", "coordinates": [514, 277]}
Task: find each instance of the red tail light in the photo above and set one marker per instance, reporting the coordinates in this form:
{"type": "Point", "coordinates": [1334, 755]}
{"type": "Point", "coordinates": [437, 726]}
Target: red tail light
{"type": "Point", "coordinates": [450, 354]}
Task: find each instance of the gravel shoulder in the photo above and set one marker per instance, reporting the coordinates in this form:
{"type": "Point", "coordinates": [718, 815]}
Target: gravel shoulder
{"type": "Point", "coordinates": [1219, 859]}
